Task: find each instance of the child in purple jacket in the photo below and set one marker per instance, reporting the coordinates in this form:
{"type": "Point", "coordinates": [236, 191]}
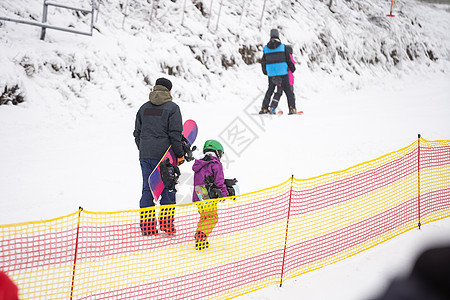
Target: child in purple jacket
{"type": "Point", "coordinates": [211, 169]}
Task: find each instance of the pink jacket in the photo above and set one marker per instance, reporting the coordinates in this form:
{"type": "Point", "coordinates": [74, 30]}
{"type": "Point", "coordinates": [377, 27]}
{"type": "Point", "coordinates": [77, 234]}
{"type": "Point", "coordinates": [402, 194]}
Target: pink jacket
{"type": "Point", "coordinates": [291, 75]}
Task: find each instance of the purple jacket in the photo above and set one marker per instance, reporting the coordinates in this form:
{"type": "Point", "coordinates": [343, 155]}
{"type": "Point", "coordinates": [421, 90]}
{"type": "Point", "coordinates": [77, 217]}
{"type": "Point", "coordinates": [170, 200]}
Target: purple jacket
{"type": "Point", "coordinates": [208, 166]}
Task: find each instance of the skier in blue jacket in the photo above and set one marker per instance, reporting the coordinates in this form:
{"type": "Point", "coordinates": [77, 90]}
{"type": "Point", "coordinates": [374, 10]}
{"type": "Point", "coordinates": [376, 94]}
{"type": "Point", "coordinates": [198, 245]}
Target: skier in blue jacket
{"type": "Point", "coordinates": [276, 64]}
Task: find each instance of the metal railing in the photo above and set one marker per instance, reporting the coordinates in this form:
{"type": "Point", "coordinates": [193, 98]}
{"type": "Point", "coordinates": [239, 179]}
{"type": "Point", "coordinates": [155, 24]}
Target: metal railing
{"type": "Point", "coordinates": [44, 24]}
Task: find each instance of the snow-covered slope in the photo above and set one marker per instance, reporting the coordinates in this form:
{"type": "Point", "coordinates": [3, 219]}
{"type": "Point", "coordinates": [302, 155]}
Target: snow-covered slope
{"type": "Point", "coordinates": [344, 39]}
{"type": "Point", "coordinates": [70, 140]}
{"type": "Point", "coordinates": [367, 83]}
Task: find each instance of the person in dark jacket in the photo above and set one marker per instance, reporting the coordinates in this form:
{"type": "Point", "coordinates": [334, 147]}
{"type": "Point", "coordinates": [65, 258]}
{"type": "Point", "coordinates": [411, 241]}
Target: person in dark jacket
{"type": "Point", "coordinates": [209, 166]}
{"type": "Point", "coordinates": [158, 125]}
{"type": "Point", "coordinates": [276, 64]}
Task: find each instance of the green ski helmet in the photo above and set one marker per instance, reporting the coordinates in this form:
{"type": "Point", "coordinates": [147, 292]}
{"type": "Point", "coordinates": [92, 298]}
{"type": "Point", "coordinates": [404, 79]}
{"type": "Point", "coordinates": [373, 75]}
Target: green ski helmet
{"type": "Point", "coordinates": [213, 146]}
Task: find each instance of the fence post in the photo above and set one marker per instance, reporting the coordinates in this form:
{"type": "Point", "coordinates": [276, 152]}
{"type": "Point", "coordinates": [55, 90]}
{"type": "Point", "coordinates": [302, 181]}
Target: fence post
{"type": "Point", "coordinates": [287, 227]}
{"type": "Point", "coordinates": [210, 13]}
{"type": "Point", "coordinates": [44, 19]}
{"type": "Point", "coordinates": [218, 17]}
{"type": "Point", "coordinates": [80, 209]}
{"type": "Point", "coordinates": [182, 17]}
{"type": "Point", "coordinates": [242, 13]}
{"type": "Point", "coordinates": [418, 178]}
{"type": "Point", "coordinates": [262, 14]}
{"type": "Point", "coordinates": [92, 16]}
{"type": "Point", "coordinates": [125, 14]}
{"type": "Point", "coordinates": [154, 8]}
{"type": "Point", "coordinates": [99, 2]}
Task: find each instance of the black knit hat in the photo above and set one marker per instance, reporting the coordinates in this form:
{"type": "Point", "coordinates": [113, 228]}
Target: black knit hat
{"type": "Point", "coordinates": [274, 34]}
{"type": "Point", "coordinates": [164, 82]}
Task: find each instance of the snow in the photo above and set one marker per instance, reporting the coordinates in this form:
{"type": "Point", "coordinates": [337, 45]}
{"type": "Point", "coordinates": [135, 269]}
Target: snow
{"type": "Point", "coordinates": [365, 275]}
{"type": "Point", "coordinates": [367, 85]}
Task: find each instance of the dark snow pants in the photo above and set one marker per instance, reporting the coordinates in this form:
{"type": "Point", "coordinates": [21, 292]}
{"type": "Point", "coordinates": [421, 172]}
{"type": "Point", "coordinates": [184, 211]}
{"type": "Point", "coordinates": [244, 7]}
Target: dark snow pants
{"type": "Point", "coordinates": [148, 217]}
{"type": "Point", "coordinates": [277, 96]}
{"type": "Point", "coordinates": [286, 89]}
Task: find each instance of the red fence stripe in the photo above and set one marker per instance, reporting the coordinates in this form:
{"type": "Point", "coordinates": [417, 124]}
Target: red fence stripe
{"type": "Point", "coordinates": [30, 251]}
{"type": "Point", "coordinates": [339, 191]}
{"type": "Point", "coordinates": [350, 236]}
{"type": "Point", "coordinates": [208, 283]}
{"type": "Point", "coordinates": [435, 201]}
{"type": "Point", "coordinates": [40, 256]}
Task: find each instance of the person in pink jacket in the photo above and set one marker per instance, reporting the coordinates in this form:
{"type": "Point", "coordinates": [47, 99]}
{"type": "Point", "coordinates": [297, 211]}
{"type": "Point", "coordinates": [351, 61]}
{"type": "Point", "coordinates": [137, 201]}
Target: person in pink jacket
{"type": "Point", "coordinates": [279, 92]}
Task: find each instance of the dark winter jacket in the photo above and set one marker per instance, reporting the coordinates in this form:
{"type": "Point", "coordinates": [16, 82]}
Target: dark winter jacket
{"type": "Point", "coordinates": [209, 166]}
{"type": "Point", "coordinates": [276, 59]}
{"type": "Point", "coordinates": [158, 125]}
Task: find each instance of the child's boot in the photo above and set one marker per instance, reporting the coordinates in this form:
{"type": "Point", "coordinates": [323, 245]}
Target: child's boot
{"type": "Point", "coordinates": [200, 241]}
{"type": "Point", "coordinates": [149, 228]}
{"type": "Point", "coordinates": [148, 222]}
{"type": "Point", "coordinates": [166, 219]}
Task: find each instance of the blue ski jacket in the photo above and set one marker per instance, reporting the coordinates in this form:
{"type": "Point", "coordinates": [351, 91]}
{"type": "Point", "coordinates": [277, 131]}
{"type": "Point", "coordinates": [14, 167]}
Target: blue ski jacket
{"type": "Point", "coordinates": [276, 59]}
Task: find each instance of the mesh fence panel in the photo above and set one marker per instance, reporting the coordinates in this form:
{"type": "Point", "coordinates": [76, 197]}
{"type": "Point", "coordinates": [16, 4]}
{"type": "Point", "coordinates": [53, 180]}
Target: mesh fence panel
{"type": "Point", "coordinates": [257, 239]}
{"type": "Point", "coordinates": [340, 214]}
{"type": "Point", "coordinates": [39, 256]}
{"type": "Point", "coordinates": [434, 180]}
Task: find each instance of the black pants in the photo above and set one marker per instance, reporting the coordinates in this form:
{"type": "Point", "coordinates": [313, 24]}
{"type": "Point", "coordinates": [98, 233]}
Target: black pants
{"type": "Point", "coordinates": [286, 88]}
{"type": "Point", "coordinates": [277, 96]}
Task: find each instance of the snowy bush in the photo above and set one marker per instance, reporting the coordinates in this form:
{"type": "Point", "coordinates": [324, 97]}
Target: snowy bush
{"type": "Point", "coordinates": [135, 42]}
{"type": "Point", "coordinates": [251, 54]}
{"type": "Point", "coordinates": [11, 94]}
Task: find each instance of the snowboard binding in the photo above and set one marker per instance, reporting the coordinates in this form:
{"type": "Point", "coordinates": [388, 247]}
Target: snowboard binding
{"type": "Point", "coordinates": [213, 190]}
{"type": "Point", "coordinates": [188, 149]}
{"type": "Point", "coordinates": [169, 174]}
{"type": "Point", "coordinates": [230, 183]}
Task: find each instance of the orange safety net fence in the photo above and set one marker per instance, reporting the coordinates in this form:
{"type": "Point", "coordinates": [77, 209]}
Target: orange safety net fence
{"type": "Point", "coordinates": [255, 240]}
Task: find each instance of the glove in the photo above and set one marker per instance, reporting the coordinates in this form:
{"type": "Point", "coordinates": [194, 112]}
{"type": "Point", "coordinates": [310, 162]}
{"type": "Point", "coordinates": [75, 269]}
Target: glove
{"type": "Point", "coordinates": [180, 160]}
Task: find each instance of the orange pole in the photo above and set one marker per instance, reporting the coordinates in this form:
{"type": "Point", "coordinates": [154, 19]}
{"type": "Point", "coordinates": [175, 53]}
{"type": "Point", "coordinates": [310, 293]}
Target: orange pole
{"type": "Point", "coordinates": [392, 6]}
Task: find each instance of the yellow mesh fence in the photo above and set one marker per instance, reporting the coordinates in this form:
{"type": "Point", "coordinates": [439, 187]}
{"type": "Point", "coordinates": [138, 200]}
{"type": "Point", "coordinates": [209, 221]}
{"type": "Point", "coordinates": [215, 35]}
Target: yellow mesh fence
{"type": "Point", "coordinates": [254, 240]}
